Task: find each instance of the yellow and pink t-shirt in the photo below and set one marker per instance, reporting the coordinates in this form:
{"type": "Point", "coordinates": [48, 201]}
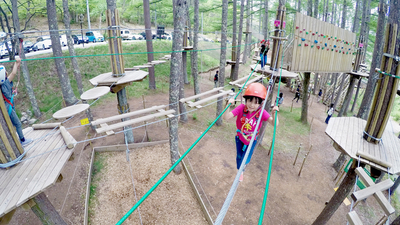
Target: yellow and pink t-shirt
{"type": "Point", "coordinates": [243, 117]}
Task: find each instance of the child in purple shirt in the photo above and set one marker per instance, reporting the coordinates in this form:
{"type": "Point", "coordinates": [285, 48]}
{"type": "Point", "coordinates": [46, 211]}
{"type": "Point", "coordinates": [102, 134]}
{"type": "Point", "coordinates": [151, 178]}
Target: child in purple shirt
{"type": "Point", "coordinates": [246, 120]}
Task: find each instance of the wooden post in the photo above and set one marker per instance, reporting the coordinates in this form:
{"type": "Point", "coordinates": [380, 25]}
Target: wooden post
{"type": "Point", "coordinates": [357, 61]}
{"type": "Point", "coordinates": [345, 188]}
{"type": "Point", "coordinates": [145, 123]}
{"type": "Point", "coordinates": [46, 211]}
{"type": "Point", "coordinates": [117, 61]}
{"type": "Point", "coordinates": [10, 145]}
{"type": "Point", "coordinates": [276, 49]}
{"type": "Point", "coordinates": [385, 91]}
{"type": "Point", "coordinates": [291, 107]}
{"type": "Point", "coordinates": [298, 151]}
{"type": "Point", "coordinates": [305, 157]}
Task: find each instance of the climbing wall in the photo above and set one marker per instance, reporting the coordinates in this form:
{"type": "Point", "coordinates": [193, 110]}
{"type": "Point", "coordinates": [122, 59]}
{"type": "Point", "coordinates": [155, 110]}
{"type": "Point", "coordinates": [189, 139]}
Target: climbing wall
{"type": "Point", "coordinates": [321, 47]}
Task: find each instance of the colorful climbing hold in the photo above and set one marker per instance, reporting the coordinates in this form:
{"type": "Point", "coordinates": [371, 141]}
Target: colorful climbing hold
{"type": "Point", "coordinates": [297, 27]}
{"type": "Point", "coordinates": [303, 39]}
{"type": "Point", "coordinates": [318, 47]}
{"type": "Point", "coordinates": [315, 41]}
{"type": "Point", "coordinates": [306, 32]}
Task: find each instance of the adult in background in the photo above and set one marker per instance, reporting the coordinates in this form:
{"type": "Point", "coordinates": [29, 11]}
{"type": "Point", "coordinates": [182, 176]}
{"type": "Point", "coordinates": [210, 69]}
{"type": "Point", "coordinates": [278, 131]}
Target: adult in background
{"type": "Point", "coordinates": [216, 79]}
{"type": "Point", "coordinates": [263, 53]}
{"type": "Point", "coordinates": [319, 95]}
{"type": "Point", "coordinates": [330, 113]}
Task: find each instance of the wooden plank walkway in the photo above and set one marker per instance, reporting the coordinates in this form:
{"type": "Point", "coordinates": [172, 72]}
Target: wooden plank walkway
{"type": "Point", "coordinates": [31, 177]}
{"type": "Point", "coordinates": [267, 71]}
{"type": "Point", "coordinates": [347, 133]}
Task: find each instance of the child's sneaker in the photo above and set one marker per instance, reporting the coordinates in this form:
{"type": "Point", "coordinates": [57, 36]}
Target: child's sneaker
{"type": "Point", "coordinates": [26, 142]}
{"type": "Point", "coordinates": [241, 177]}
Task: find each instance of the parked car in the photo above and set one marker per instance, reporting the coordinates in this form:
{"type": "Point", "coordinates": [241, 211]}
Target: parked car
{"type": "Point", "coordinates": [63, 40]}
{"type": "Point", "coordinates": [3, 49]}
{"type": "Point", "coordinates": [144, 35]}
{"type": "Point", "coordinates": [27, 46]}
{"type": "Point", "coordinates": [127, 35]}
{"type": "Point", "coordinates": [75, 38]}
{"type": "Point", "coordinates": [94, 36]}
{"type": "Point", "coordinates": [43, 42]}
{"type": "Point", "coordinates": [166, 36]}
{"type": "Point", "coordinates": [83, 39]}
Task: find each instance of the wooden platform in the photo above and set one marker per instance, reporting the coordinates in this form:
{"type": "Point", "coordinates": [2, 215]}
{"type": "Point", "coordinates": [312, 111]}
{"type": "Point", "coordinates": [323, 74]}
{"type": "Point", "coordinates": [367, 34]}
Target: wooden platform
{"type": "Point", "coordinates": [359, 73]}
{"type": "Point", "coordinates": [267, 71]}
{"type": "Point", "coordinates": [347, 132]}
{"type": "Point", "coordinates": [230, 62]}
{"type": "Point", "coordinates": [29, 178]}
{"type": "Point", "coordinates": [106, 79]}
{"type": "Point", "coordinates": [186, 48]}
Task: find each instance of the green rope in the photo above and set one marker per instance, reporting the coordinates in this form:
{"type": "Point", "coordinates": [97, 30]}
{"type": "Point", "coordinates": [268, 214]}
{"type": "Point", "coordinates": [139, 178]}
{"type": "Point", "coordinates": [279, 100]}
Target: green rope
{"type": "Point", "coordinates": [130, 53]}
{"type": "Point", "coordinates": [272, 155]}
{"type": "Point", "coordinates": [179, 160]}
{"type": "Point", "coordinates": [387, 74]}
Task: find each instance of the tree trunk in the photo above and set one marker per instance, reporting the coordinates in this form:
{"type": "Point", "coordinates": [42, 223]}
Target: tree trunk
{"type": "Point", "coordinates": [182, 107]}
{"type": "Point", "coordinates": [355, 97]}
{"type": "Point", "coordinates": [74, 62]}
{"type": "Point", "coordinates": [356, 21]}
{"type": "Point", "coordinates": [394, 187]}
{"type": "Point", "coordinates": [175, 75]}
{"type": "Point", "coordinates": [315, 83]}
{"type": "Point", "coordinates": [334, 77]}
{"type": "Point", "coordinates": [222, 61]}
{"type": "Point", "coordinates": [66, 88]}
{"type": "Point", "coordinates": [265, 23]}
{"type": "Point", "coordinates": [345, 188]}
{"type": "Point", "coordinates": [304, 105]}
{"type": "Point", "coordinates": [236, 69]}
{"type": "Point", "coordinates": [194, 54]}
{"type": "Point", "coordinates": [149, 43]}
{"type": "Point", "coordinates": [340, 90]}
{"type": "Point", "coordinates": [344, 14]}
{"type": "Point", "coordinates": [246, 40]}
{"type": "Point", "coordinates": [396, 221]}
{"type": "Point", "coordinates": [309, 8]}
{"type": "Point", "coordinates": [349, 95]}
{"type": "Point", "coordinates": [234, 41]}
{"type": "Point", "coordinates": [376, 59]}
{"type": "Point", "coordinates": [25, 71]}
{"type": "Point", "coordinates": [184, 53]}
{"type": "Point", "coordinates": [339, 162]}
{"type": "Point", "coordinates": [315, 9]}
{"type": "Point", "coordinates": [298, 5]}
{"type": "Point", "coordinates": [46, 212]}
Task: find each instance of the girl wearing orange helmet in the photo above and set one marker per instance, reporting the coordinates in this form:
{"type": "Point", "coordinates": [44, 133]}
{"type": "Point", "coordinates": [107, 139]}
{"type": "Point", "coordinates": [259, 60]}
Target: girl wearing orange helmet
{"type": "Point", "coordinates": [246, 120]}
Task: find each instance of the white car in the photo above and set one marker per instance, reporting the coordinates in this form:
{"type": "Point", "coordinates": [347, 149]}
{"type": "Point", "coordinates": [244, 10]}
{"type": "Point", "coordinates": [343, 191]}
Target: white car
{"type": "Point", "coordinates": [127, 35]}
{"type": "Point", "coordinates": [43, 42]}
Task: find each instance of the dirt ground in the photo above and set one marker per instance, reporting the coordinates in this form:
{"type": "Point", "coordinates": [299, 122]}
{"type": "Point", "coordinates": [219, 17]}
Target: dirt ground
{"type": "Point", "coordinates": [292, 199]}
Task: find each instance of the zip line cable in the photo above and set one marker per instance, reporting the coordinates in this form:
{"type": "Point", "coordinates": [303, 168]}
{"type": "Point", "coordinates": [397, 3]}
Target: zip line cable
{"type": "Point", "coordinates": [177, 162]}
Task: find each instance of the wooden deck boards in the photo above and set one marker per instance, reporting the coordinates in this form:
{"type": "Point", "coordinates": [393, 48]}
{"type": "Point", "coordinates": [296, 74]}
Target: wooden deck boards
{"type": "Point", "coordinates": [27, 179]}
{"type": "Point", "coordinates": [347, 133]}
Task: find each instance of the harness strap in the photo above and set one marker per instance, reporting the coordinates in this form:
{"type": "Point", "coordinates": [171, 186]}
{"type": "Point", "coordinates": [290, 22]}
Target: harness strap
{"type": "Point", "coordinates": [9, 102]}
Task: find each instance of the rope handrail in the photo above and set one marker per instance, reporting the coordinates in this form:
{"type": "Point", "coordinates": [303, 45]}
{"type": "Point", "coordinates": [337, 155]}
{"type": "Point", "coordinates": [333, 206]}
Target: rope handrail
{"type": "Point", "coordinates": [128, 53]}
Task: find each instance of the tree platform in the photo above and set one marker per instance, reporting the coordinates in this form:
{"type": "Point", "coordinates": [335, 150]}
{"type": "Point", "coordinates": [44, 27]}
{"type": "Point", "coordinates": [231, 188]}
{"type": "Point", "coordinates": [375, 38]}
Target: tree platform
{"type": "Point", "coordinates": [267, 71]}
{"type": "Point", "coordinates": [347, 134]}
{"type": "Point", "coordinates": [106, 79]}
{"type": "Point", "coordinates": [29, 178]}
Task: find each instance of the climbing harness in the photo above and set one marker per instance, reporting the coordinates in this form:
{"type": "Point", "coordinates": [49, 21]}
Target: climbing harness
{"type": "Point", "coordinates": [10, 103]}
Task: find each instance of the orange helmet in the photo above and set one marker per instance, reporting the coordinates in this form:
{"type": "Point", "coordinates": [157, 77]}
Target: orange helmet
{"type": "Point", "coordinates": [257, 90]}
